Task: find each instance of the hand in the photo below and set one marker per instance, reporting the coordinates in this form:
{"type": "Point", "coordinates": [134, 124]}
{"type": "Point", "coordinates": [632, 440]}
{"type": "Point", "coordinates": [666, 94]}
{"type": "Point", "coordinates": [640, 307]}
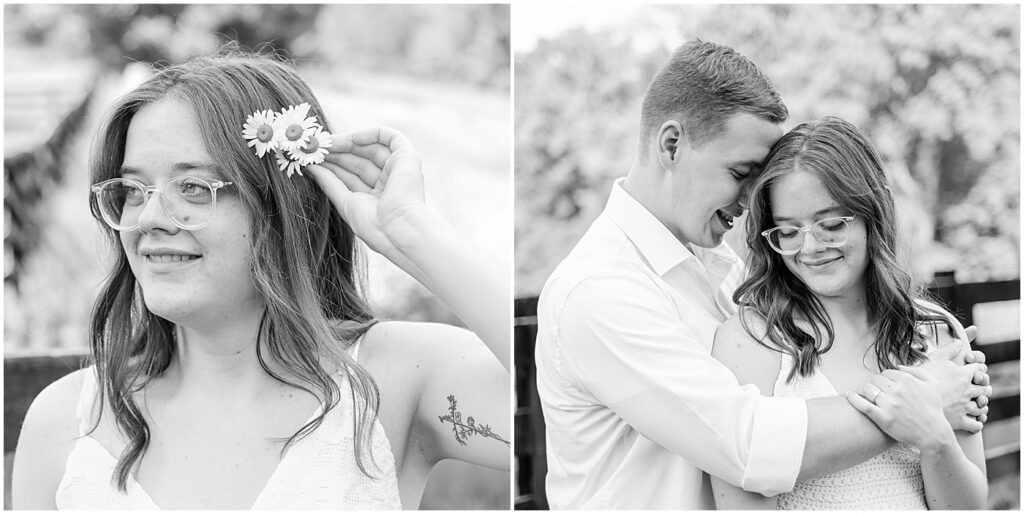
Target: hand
{"type": "Point", "coordinates": [373, 177]}
{"type": "Point", "coordinates": [961, 386]}
{"type": "Point", "coordinates": [981, 378]}
{"type": "Point", "coordinates": [907, 405]}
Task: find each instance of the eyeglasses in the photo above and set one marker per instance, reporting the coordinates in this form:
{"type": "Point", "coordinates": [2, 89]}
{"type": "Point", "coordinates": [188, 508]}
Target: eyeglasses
{"type": "Point", "coordinates": [788, 240]}
{"type": "Point", "coordinates": [189, 201]}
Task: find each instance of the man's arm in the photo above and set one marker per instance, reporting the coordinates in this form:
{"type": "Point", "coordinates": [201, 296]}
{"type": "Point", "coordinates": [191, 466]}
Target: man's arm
{"type": "Point", "coordinates": [629, 347]}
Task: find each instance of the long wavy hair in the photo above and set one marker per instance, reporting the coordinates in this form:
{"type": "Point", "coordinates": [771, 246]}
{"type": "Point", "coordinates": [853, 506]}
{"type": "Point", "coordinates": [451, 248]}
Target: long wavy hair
{"type": "Point", "coordinates": [309, 271]}
{"type": "Point", "coordinates": [839, 155]}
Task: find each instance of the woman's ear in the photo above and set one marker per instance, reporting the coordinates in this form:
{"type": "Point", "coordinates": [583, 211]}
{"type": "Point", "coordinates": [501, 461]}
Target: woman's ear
{"type": "Point", "coordinates": [670, 136]}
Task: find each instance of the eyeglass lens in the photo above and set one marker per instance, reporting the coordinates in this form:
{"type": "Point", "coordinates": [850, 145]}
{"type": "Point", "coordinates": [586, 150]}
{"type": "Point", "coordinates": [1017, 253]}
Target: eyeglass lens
{"type": "Point", "coordinates": [188, 201]}
{"type": "Point", "coordinates": [831, 232]}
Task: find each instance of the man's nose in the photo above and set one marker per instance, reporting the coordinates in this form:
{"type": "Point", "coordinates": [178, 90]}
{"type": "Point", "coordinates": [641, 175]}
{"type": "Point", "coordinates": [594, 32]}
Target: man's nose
{"type": "Point", "coordinates": [744, 199]}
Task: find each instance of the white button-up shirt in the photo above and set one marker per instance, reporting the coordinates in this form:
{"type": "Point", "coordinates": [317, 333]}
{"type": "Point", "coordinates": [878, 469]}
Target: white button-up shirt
{"type": "Point", "coordinates": [634, 404]}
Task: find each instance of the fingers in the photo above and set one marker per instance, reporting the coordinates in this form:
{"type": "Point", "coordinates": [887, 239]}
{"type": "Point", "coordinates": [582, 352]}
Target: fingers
{"type": "Point", "coordinates": [375, 152]}
{"type": "Point", "coordinates": [975, 356]}
{"type": "Point", "coordinates": [975, 410]}
{"type": "Point", "coordinates": [970, 425]}
{"type": "Point", "coordinates": [983, 418]}
{"type": "Point", "coordinates": [869, 391]}
{"type": "Point", "coordinates": [863, 405]}
{"type": "Point", "coordinates": [917, 372]}
{"type": "Point", "coordinates": [972, 332]}
{"type": "Point", "coordinates": [972, 370]}
{"type": "Point", "coordinates": [390, 138]}
{"type": "Point", "coordinates": [367, 170]}
{"type": "Point", "coordinates": [981, 378]}
{"type": "Point", "coordinates": [981, 401]}
{"type": "Point", "coordinates": [976, 391]}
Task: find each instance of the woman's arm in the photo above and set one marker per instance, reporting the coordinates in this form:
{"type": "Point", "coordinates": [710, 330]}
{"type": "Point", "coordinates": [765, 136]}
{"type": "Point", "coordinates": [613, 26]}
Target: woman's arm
{"type": "Point", "coordinates": [907, 406]}
{"type": "Point", "coordinates": [455, 393]}
{"type": "Point", "coordinates": [462, 408]}
{"type": "Point", "coordinates": [374, 178]}
{"type": "Point", "coordinates": [752, 363]}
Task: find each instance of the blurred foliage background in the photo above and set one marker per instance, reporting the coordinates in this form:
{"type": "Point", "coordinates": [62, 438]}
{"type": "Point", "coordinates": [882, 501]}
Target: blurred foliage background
{"type": "Point", "coordinates": [936, 88]}
{"type": "Point", "coordinates": [441, 74]}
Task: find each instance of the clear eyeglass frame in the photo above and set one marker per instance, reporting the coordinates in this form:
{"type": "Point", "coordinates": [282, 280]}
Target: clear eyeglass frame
{"type": "Point", "coordinates": [818, 229]}
{"type": "Point", "coordinates": [170, 202]}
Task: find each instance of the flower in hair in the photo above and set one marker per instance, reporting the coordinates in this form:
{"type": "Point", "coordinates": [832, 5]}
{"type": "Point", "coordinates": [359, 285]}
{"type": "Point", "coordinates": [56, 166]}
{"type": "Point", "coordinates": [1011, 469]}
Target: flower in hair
{"type": "Point", "coordinates": [295, 138]}
{"type": "Point", "coordinates": [259, 130]}
{"type": "Point", "coordinates": [292, 128]}
{"type": "Point", "coordinates": [314, 151]}
{"type": "Point", "coordinates": [287, 165]}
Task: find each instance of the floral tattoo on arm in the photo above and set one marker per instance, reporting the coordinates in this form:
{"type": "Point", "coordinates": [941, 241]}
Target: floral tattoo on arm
{"type": "Point", "coordinates": [464, 430]}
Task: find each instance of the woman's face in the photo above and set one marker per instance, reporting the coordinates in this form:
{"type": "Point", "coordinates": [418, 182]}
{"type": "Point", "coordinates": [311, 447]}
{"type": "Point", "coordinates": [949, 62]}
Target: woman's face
{"type": "Point", "coordinates": [187, 276]}
{"type": "Point", "coordinates": [800, 199]}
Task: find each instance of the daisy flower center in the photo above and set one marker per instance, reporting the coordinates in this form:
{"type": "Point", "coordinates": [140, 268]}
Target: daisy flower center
{"type": "Point", "coordinates": [293, 132]}
{"type": "Point", "coordinates": [265, 133]}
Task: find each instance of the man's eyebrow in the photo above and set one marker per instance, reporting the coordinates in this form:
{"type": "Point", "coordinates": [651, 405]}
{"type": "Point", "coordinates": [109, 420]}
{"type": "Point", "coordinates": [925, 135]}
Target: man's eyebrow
{"type": "Point", "coordinates": [826, 210]}
{"type": "Point", "coordinates": [750, 165]}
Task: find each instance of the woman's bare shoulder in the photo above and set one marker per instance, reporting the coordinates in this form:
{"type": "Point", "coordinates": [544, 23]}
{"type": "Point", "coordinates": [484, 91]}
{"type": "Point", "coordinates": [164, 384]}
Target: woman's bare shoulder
{"type": "Point", "coordinates": [57, 403]}
{"type": "Point", "coordinates": [737, 345]}
{"type": "Point", "coordinates": [47, 436]}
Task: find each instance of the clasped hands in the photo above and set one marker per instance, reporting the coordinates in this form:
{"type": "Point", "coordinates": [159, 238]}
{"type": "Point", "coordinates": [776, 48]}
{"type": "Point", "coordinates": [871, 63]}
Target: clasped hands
{"type": "Point", "coordinates": [920, 404]}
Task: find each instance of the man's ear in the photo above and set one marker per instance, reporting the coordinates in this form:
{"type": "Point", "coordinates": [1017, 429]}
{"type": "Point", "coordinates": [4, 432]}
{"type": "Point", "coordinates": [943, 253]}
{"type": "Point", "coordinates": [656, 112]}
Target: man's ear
{"type": "Point", "coordinates": [670, 137]}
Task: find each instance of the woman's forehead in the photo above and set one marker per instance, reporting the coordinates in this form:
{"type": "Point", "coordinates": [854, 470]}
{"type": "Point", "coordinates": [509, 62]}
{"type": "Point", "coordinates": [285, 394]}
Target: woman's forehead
{"type": "Point", "coordinates": [163, 137]}
{"type": "Point", "coordinates": [800, 195]}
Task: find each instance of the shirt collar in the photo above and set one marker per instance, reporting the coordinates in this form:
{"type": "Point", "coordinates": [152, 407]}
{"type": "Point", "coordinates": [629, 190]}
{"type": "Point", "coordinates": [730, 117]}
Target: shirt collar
{"type": "Point", "coordinates": [655, 242]}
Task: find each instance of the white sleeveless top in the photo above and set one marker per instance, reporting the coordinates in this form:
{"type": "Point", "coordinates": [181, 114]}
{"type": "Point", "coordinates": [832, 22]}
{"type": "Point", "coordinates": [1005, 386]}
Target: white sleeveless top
{"type": "Point", "coordinates": [890, 481]}
{"type": "Point", "coordinates": [318, 471]}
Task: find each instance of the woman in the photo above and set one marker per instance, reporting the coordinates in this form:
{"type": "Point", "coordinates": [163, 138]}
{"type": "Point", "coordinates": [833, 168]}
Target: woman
{"type": "Point", "coordinates": [236, 361]}
{"type": "Point", "coordinates": [829, 304]}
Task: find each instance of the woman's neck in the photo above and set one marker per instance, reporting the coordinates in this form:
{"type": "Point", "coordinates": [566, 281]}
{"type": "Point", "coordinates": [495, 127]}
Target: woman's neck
{"type": "Point", "coordinates": [849, 315]}
{"type": "Point", "coordinates": [218, 359]}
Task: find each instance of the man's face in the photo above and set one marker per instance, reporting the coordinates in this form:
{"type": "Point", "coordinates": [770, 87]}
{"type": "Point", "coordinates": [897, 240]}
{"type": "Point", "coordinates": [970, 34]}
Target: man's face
{"type": "Point", "coordinates": [708, 182]}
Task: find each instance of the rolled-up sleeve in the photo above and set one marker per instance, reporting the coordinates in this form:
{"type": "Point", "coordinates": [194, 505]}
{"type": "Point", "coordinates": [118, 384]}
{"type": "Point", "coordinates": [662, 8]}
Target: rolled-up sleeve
{"type": "Point", "coordinates": [629, 345]}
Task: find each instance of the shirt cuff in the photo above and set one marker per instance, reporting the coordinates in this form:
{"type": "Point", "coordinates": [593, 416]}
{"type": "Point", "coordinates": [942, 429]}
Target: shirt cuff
{"type": "Point", "coordinates": [776, 446]}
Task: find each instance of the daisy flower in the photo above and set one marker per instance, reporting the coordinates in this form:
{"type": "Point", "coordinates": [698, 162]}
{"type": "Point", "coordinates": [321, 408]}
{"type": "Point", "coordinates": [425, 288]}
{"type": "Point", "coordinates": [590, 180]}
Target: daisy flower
{"type": "Point", "coordinates": [259, 130]}
{"type": "Point", "coordinates": [292, 128]}
{"type": "Point", "coordinates": [287, 165]}
{"type": "Point", "coordinates": [315, 150]}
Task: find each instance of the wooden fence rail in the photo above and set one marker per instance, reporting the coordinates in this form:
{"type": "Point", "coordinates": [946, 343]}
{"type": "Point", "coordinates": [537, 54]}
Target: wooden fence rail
{"type": "Point", "coordinates": [1001, 433]}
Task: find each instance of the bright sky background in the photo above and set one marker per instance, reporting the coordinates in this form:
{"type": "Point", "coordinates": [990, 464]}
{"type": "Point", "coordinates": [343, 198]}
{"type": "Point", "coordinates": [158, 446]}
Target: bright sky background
{"type": "Point", "coordinates": [534, 21]}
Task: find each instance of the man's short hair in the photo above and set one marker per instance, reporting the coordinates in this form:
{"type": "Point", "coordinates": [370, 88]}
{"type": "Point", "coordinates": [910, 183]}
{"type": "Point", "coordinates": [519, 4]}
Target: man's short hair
{"type": "Point", "coordinates": [704, 84]}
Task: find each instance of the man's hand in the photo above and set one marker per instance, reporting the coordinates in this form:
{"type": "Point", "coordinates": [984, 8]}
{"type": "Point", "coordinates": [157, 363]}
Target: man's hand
{"type": "Point", "coordinates": [964, 388]}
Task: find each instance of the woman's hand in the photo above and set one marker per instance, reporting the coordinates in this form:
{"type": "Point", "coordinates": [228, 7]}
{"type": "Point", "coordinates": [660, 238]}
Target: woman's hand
{"type": "Point", "coordinates": [373, 177]}
{"type": "Point", "coordinates": [907, 405]}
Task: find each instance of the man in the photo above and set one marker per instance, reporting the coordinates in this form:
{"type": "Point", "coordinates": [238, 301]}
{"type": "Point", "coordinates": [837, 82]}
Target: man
{"type": "Point", "coordinates": [636, 409]}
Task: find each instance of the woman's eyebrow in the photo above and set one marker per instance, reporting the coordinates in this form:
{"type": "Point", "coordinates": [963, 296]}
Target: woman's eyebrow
{"type": "Point", "coordinates": [199, 165]}
{"type": "Point", "coordinates": [128, 170]}
{"type": "Point", "coordinates": [826, 210]}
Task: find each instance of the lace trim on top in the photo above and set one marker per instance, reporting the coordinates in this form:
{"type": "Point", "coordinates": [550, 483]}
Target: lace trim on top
{"type": "Point", "coordinates": [318, 471]}
{"type": "Point", "coordinates": [891, 480]}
